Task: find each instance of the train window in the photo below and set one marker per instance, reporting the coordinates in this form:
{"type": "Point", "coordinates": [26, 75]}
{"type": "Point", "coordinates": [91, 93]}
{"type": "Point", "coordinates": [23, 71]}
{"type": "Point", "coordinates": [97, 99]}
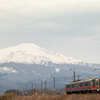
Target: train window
{"type": "Point", "coordinates": [81, 85]}
{"type": "Point", "coordinates": [76, 85]}
{"type": "Point", "coordinates": [68, 86]}
{"type": "Point", "coordinates": [99, 81]}
{"type": "Point", "coordinates": [72, 85]}
{"type": "Point", "coordinates": [96, 83]}
{"type": "Point", "coordinates": [93, 82]}
{"type": "Point", "coordinates": [86, 84]}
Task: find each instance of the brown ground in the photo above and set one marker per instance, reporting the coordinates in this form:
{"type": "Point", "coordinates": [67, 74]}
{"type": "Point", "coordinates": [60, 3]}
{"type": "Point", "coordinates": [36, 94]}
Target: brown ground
{"type": "Point", "coordinates": [62, 97]}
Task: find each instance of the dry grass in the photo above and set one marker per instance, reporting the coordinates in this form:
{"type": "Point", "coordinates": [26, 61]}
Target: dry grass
{"type": "Point", "coordinates": [7, 97]}
{"type": "Point", "coordinates": [62, 97]}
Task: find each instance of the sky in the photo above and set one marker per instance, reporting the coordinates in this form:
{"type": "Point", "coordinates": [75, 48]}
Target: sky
{"type": "Point", "coordinates": [68, 27]}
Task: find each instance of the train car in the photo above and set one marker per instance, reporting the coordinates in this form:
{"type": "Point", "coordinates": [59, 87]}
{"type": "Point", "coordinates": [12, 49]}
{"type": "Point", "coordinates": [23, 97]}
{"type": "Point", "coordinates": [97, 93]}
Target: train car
{"type": "Point", "coordinates": [83, 86]}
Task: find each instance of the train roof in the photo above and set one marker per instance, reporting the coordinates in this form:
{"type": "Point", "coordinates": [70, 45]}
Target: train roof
{"type": "Point", "coordinates": [85, 80]}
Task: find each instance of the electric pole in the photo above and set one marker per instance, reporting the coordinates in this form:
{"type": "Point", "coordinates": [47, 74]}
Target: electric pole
{"type": "Point", "coordinates": [41, 87]}
{"type": "Point", "coordinates": [26, 90]}
{"type": "Point", "coordinates": [23, 91]}
{"type": "Point", "coordinates": [74, 74]}
{"type": "Point", "coordinates": [45, 87]}
{"type": "Point", "coordinates": [32, 89]}
{"type": "Point", "coordinates": [54, 83]}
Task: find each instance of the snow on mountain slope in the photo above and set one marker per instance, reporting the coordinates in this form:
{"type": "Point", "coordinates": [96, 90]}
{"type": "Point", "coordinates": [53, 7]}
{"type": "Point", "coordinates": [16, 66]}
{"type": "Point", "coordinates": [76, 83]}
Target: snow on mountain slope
{"type": "Point", "coordinates": [32, 54]}
{"type": "Point", "coordinates": [7, 70]}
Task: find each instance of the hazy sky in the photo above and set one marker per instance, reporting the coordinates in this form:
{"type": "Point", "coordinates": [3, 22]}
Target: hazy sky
{"type": "Point", "coordinates": [69, 27]}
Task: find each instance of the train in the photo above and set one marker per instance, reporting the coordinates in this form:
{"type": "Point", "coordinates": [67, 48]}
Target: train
{"type": "Point", "coordinates": [90, 85]}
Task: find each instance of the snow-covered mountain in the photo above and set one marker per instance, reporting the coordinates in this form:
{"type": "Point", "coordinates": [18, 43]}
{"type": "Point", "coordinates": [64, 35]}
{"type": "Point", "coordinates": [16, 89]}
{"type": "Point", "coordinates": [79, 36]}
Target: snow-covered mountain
{"type": "Point", "coordinates": [26, 63]}
{"type": "Point", "coordinates": [32, 54]}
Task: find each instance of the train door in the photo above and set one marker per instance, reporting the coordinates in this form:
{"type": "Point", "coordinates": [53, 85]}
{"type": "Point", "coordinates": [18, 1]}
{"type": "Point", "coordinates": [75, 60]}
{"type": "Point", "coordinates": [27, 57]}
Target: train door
{"type": "Point", "coordinates": [97, 84]}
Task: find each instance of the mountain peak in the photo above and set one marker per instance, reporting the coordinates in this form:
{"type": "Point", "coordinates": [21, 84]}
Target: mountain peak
{"type": "Point", "coordinates": [31, 53]}
{"type": "Point", "coordinates": [25, 45]}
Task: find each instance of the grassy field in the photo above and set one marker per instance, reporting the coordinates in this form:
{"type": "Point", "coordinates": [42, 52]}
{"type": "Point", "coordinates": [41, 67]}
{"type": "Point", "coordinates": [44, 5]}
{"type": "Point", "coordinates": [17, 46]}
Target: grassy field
{"type": "Point", "coordinates": [62, 97]}
{"type": "Point", "coordinates": [52, 97]}
{"type": "Point", "coordinates": [7, 97]}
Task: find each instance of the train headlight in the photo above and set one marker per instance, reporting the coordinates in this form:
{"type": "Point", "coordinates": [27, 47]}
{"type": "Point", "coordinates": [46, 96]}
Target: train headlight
{"type": "Point", "coordinates": [97, 89]}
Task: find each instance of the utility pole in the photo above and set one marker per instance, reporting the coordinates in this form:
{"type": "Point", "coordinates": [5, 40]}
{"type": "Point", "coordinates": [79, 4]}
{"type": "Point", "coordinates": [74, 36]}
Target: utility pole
{"type": "Point", "coordinates": [19, 92]}
{"type": "Point", "coordinates": [54, 83]}
{"type": "Point", "coordinates": [26, 90]}
{"type": "Point", "coordinates": [74, 74]}
{"type": "Point", "coordinates": [41, 87]}
{"type": "Point", "coordinates": [45, 87]}
{"type": "Point", "coordinates": [32, 89]}
{"type": "Point", "coordinates": [23, 92]}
